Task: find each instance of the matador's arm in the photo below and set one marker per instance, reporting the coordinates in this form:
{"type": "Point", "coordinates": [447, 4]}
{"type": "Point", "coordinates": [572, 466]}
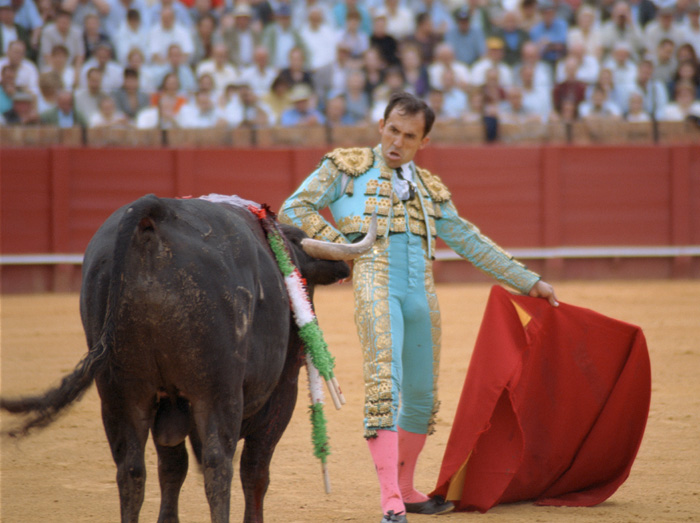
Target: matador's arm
{"type": "Point", "coordinates": [319, 190]}
{"type": "Point", "coordinates": [467, 241]}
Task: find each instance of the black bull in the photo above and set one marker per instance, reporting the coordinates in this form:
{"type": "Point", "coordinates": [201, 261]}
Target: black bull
{"type": "Point", "coordinates": [190, 333]}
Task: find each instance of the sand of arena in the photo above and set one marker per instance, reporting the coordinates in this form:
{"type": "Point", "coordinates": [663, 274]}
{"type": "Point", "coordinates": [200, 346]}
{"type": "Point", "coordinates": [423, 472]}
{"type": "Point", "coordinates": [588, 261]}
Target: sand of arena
{"type": "Point", "coordinates": [65, 473]}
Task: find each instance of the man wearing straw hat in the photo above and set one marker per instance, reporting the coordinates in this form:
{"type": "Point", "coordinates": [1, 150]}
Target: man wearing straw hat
{"type": "Point", "coordinates": [396, 309]}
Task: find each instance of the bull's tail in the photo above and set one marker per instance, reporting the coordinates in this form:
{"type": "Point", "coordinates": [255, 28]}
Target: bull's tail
{"type": "Point", "coordinates": [43, 409]}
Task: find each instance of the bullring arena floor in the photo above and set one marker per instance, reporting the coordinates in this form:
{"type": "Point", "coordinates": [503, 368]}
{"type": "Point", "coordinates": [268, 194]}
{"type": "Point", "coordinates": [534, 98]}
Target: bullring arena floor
{"type": "Point", "coordinates": [66, 473]}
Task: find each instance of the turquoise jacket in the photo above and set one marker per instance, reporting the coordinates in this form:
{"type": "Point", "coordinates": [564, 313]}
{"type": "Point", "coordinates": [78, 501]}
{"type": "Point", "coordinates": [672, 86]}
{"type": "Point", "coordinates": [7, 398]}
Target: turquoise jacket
{"type": "Point", "coordinates": [356, 182]}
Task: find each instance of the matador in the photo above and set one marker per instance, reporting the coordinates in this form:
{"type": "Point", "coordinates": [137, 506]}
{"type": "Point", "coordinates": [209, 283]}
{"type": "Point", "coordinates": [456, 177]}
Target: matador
{"type": "Point", "coordinates": [396, 307]}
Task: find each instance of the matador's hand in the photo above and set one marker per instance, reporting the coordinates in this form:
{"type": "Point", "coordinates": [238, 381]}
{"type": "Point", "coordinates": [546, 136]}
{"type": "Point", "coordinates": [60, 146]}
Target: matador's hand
{"type": "Point", "coordinates": [542, 289]}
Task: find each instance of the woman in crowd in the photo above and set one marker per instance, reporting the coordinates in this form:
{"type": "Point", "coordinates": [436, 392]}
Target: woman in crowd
{"type": "Point", "coordinates": [170, 88]}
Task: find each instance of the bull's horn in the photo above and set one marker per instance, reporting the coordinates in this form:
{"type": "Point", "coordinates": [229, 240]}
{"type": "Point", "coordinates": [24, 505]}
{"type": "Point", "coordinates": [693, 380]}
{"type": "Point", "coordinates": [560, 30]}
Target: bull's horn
{"type": "Point", "coordinates": [341, 251]}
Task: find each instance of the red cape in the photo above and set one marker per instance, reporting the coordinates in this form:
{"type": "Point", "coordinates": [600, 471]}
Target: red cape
{"type": "Point", "coordinates": [553, 408]}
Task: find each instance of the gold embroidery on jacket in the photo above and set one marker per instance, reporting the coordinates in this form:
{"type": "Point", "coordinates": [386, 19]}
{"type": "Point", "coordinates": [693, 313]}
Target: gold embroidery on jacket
{"type": "Point", "coordinates": [371, 188]}
{"type": "Point", "coordinates": [437, 190]}
{"type": "Point", "coordinates": [354, 161]}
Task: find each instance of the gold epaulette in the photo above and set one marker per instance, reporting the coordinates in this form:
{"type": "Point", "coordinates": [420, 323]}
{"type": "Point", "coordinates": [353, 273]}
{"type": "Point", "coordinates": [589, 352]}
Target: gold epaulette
{"type": "Point", "coordinates": [437, 190]}
{"type": "Point", "coordinates": [354, 161]}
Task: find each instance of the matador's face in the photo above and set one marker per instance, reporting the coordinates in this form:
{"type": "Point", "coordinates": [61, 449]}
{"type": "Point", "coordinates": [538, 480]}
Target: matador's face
{"type": "Point", "coordinates": [402, 137]}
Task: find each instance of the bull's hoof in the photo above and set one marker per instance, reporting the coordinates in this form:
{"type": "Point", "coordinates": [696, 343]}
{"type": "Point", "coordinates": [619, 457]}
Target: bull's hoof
{"type": "Point", "coordinates": [435, 505]}
{"type": "Point", "coordinates": [391, 517]}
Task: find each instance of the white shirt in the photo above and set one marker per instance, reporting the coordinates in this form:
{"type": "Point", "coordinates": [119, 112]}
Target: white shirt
{"type": "Point", "coordinates": [479, 68]}
{"type": "Point", "coordinates": [112, 76]}
{"type": "Point", "coordinates": [673, 113]}
{"type": "Point", "coordinates": [191, 117]}
{"type": "Point", "coordinates": [9, 34]}
{"type": "Point", "coordinates": [222, 77]}
{"type": "Point", "coordinates": [623, 75]}
{"type": "Point", "coordinates": [461, 71]}
{"type": "Point", "coordinates": [97, 119]}
{"type": "Point", "coordinates": [401, 23]}
{"type": "Point", "coordinates": [320, 43]}
{"type": "Point", "coordinates": [401, 187]}
{"type": "Point", "coordinates": [259, 81]}
{"type": "Point", "coordinates": [27, 75]}
{"type": "Point", "coordinates": [126, 40]}
{"type": "Point", "coordinates": [159, 39]}
{"type": "Point", "coordinates": [692, 37]}
{"type": "Point", "coordinates": [588, 71]}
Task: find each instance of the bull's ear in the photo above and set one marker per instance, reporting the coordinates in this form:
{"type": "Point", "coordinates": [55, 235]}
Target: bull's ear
{"type": "Point", "coordinates": [336, 251]}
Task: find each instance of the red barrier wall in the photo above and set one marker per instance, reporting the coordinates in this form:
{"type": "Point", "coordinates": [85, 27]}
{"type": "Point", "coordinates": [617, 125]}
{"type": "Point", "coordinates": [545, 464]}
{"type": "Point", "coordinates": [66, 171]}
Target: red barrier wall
{"type": "Point", "coordinates": [52, 200]}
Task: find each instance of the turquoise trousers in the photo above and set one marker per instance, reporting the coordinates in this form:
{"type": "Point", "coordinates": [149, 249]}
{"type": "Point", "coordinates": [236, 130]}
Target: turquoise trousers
{"type": "Point", "coordinates": [398, 322]}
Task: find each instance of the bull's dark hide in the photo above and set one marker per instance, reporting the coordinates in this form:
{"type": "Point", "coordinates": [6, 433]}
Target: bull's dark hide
{"type": "Point", "coordinates": [190, 334]}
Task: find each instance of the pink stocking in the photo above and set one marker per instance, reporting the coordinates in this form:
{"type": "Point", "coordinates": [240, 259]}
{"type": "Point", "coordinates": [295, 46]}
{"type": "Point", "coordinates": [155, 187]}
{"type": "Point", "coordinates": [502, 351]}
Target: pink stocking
{"type": "Point", "coordinates": [385, 453]}
{"type": "Point", "coordinates": [410, 446]}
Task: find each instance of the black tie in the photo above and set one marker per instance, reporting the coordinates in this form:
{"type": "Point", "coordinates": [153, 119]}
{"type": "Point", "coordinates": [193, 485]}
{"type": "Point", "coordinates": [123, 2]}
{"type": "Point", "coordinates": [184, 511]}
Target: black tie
{"type": "Point", "coordinates": [411, 190]}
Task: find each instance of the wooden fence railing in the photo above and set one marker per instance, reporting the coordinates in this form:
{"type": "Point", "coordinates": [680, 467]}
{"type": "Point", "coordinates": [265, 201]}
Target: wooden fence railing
{"type": "Point", "coordinates": [579, 133]}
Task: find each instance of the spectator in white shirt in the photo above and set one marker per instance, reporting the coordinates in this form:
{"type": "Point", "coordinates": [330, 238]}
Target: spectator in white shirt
{"type": "Point", "coordinates": [455, 101]}
{"type": "Point", "coordinates": [691, 30]}
{"type": "Point", "coordinates": [107, 115]}
{"type": "Point", "coordinates": [586, 32]}
{"type": "Point", "coordinates": [132, 33]}
{"type": "Point", "coordinates": [247, 110]}
{"type": "Point", "coordinates": [201, 113]}
{"type": "Point", "coordinates": [87, 98]}
{"type": "Point", "coordinates": [260, 74]}
{"type": "Point", "coordinates": [588, 69]}
{"type": "Point", "coordinates": [436, 101]}
{"type": "Point", "coordinates": [58, 63]}
{"type": "Point", "coordinates": [222, 71]}
{"type": "Point", "coordinates": [9, 30]}
{"type": "Point", "coordinates": [623, 68]}
{"type": "Point", "coordinates": [530, 56]}
{"type": "Point", "coordinates": [400, 20]}
{"type": "Point", "coordinates": [62, 32]}
{"type": "Point", "coordinates": [665, 63]}
{"type": "Point", "coordinates": [177, 64]}
{"type": "Point", "coordinates": [155, 13]}
{"type": "Point", "coordinates": [494, 58]}
{"type": "Point", "coordinates": [166, 32]}
{"type": "Point", "coordinates": [621, 28]}
{"type": "Point", "coordinates": [119, 14]}
{"type": "Point", "coordinates": [635, 111]}
{"type": "Point", "coordinates": [82, 8]}
{"type": "Point", "coordinates": [663, 26]}
{"type": "Point", "coordinates": [654, 93]}
{"type": "Point", "coordinates": [112, 72]}
{"type": "Point", "coordinates": [599, 107]}
{"type": "Point", "coordinates": [27, 73]}
{"type": "Point", "coordinates": [147, 75]}
{"type": "Point", "coordinates": [353, 37]}
{"type": "Point", "coordinates": [683, 105]}
{"type": "Point", "coordinates": [320, 39]}
{"type": "Point", "coordinates": [514, 111]}
{"type": "Point", "coordinates": [160, 116]}
{"type": "Point", "coordinates": [535, 99]}
{"type": "Point", "coordinates": [445, 59]}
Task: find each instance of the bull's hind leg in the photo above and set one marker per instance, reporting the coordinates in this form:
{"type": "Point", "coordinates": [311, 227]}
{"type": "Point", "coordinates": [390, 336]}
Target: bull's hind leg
{"type": "Point", "coordinates": [172, 470]}
{"type": "Point", "coordinates": [218, 430]}
{"type": "Point", "coordinates": [262, 433]}
{"type": "Point", "coordinates": [126, 425]}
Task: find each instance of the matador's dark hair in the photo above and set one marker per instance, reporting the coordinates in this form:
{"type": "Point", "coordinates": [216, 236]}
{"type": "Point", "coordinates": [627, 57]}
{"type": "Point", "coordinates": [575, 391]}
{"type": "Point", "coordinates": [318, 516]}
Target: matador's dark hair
{"type": "Point", "coordinates": [406, 103]}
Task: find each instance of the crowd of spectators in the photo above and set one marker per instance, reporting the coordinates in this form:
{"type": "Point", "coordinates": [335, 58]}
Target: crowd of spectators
{"type": "Point", "coordinates": [227, 63]}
